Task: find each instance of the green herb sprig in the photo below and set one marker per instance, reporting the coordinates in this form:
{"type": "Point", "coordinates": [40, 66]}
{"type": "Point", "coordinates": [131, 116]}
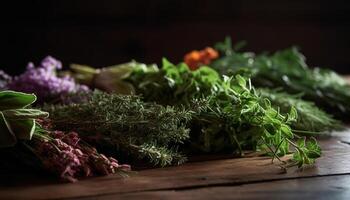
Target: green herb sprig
{"type": "Point", "coordinates": [287, 69]}
{"type": "Point", "coordinates": [233, 117]}
{"type": "Point", "coordinates": [128, 125]}
{"type": "Point", "coordinates": [229, 116]}
{"type": "Point", "coordinates": [310, 119]}
{"type": "Point", "coordinates": [17, 120]}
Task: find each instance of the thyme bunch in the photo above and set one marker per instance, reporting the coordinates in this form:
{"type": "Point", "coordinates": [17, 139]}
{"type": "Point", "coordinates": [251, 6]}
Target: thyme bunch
{"type": "Point", "coordinates": [128, 125]}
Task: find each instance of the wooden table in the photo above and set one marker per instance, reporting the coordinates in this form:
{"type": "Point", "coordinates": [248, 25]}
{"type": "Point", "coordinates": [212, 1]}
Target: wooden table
{"type": "Point", "coordinates": [239, 178]}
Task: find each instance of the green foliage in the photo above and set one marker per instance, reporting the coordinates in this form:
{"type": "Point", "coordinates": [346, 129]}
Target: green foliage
{"type": "Point", "coordinates": [174, 85]}
{"type": "Point", "coordinates": [109, 79]}
{"type": "Point", "coordinates": [306, 151]}
{"type": "Point", "coordinates": [15, 100]}
{"type": "Point", "coordinates": [230, 116]}
{"type": "Point", "coordinates": [16, 120]}
{"type": "Point", "coordinates": [310, 118]}
{"type": "Point", "coordinates": [287, 69]}
{"type": "Point", "coordinates": [141, 130]}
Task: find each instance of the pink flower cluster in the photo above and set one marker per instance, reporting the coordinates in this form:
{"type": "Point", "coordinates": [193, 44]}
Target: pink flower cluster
{"type": "Point", "coordinates": [67, 156]}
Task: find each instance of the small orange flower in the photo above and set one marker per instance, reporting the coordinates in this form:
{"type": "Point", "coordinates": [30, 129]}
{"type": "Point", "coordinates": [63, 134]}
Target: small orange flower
{"type": "Point", "coordinates": [195, 58]}
{"type": "Point", "coordinates": [211, 53]}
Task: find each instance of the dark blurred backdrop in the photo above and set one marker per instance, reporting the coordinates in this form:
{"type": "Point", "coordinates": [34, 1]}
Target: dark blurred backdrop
{"type": "Point", "coordinates": [107, 32]}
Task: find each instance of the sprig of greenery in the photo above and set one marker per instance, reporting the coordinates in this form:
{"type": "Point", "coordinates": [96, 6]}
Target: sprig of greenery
{"type": "Point", "coordinates": [234, 118]}
{"type": "Point", "coordinates": [287, 69]}
{"type": "Point", "coordinates": [229, 115]}
{"type": "Point", "coordinates": [141, 130]}
{"type": "Point", "coordinates": [17, 120]}
{"type": "Point", "coordinates": [310, 118]}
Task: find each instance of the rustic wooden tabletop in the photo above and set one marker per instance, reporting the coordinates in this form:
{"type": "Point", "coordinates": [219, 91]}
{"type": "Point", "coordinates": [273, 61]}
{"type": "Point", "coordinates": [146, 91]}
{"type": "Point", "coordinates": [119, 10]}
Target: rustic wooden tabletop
{"type": "Point", "coordinates": [229, 178]}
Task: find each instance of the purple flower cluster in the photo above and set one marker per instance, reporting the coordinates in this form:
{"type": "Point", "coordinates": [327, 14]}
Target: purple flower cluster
{"type": "Point", "coordinates": [65, 155]}
{"type": "Point", "coordinates": [44, 82]}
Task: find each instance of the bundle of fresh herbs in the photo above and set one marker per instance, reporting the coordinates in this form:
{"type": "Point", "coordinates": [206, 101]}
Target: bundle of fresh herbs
{"type": "Point", "coordinates": [182, 109]}
{"type": "Point", "coordinates": [287, 69]}
{"type": "Point", "coordinates": [233, 118]}
{"type": "Point", "coordinates": [25, 140]}
{"type": "Point", "coordinates": [311, 119]}
{"type": "Point", "coordinates": [127, 125]}
{"type": "Point", "coordinates": [229, 117]}
{"type": "Point", "coordinates": [113, 79]}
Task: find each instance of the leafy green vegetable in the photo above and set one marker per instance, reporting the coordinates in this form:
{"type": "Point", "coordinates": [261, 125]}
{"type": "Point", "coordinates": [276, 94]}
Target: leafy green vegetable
{"type": "Point", "coordinates": [16, 120]}
{"type": "Point", "coordinates": [15, 100]}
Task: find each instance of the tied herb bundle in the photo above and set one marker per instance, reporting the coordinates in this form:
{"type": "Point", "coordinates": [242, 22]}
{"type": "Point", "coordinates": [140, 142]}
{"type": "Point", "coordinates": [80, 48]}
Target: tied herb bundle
{"type": "Point", "coordinates": [287, 69]}
{"type": "Point", "coordinates": [231, 116]}
{"type": "Point", "coordinates": [127, 125]}
{"type": "Point", "coordinates": [25, 139]}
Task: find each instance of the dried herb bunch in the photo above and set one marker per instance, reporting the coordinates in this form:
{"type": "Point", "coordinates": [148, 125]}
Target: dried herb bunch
{"type": "Point", "coordinates": [69, 157]}
{"type": "Point", "coordinates": [127, 124]}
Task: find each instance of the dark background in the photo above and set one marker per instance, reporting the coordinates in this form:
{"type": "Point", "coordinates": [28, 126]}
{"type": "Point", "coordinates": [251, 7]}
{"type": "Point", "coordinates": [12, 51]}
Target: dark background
{"type": "Point", "coordinates": [102, 33]}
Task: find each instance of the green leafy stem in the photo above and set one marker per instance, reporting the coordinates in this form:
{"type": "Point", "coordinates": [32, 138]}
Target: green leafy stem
{"type": "Point", "coordinates": [17, 120]}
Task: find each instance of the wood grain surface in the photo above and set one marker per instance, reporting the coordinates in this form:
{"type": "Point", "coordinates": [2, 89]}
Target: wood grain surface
{"type": "Point", "coordinates": [328, 187]}
{"type": "Point", "coordinates": [240, 178]}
